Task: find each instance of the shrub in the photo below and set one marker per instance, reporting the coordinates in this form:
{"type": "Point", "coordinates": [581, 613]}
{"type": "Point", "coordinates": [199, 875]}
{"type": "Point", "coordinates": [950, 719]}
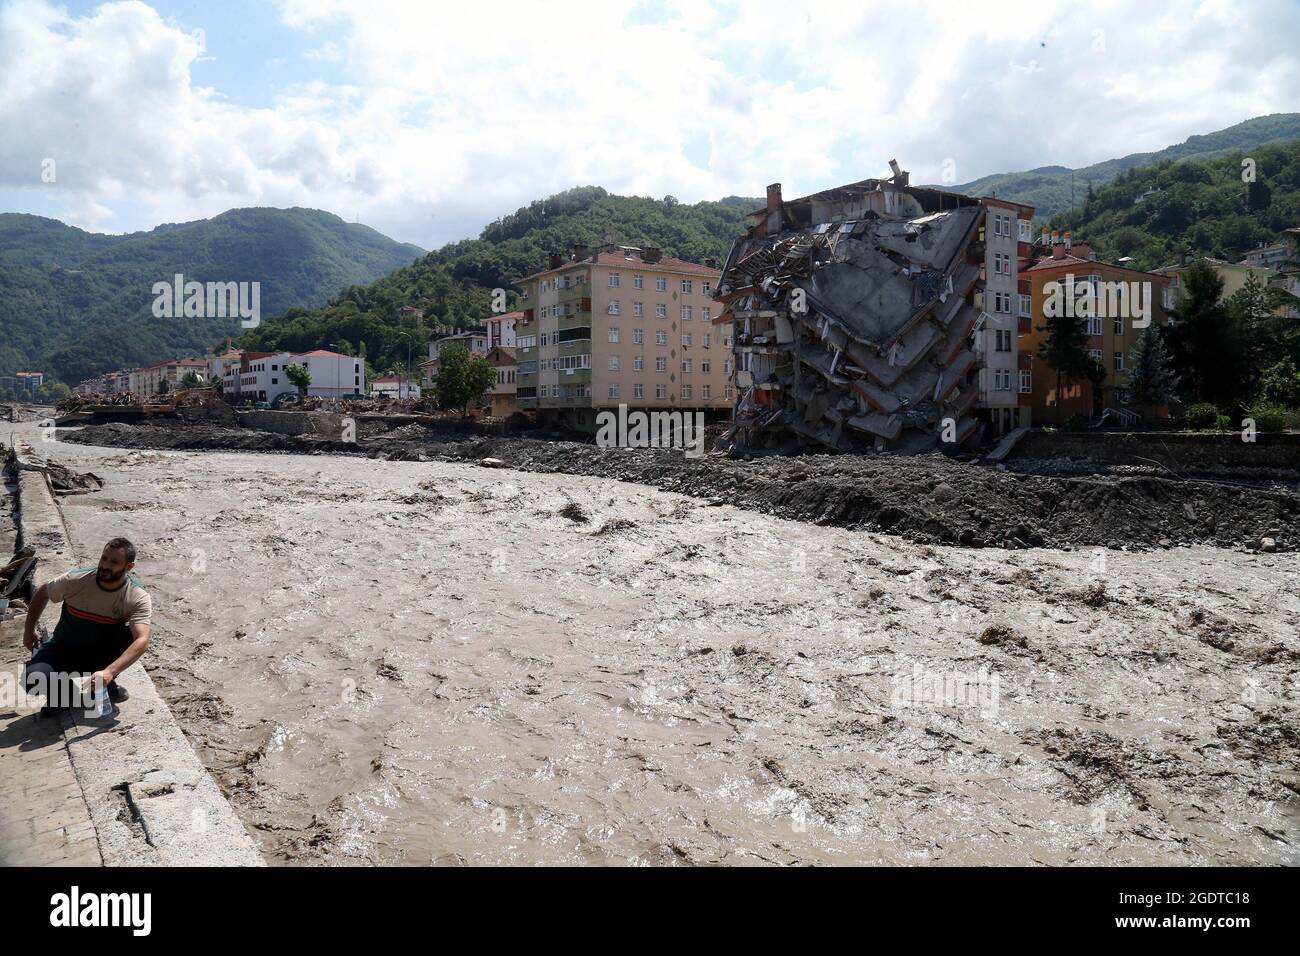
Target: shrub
{"type": "Point", "coordinates": [1203, 416]}
{"type": "Point", "coordinates": [1268, 417]}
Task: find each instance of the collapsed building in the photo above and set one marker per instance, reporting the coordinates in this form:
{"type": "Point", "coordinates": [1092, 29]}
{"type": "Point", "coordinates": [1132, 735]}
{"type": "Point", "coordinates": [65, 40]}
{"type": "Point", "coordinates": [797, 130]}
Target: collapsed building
{"type": "Point", "coordinates": [855, 313]}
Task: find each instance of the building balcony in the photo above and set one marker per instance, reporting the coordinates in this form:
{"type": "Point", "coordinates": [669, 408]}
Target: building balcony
{"type": "Point", "coordinates": [575, 293]}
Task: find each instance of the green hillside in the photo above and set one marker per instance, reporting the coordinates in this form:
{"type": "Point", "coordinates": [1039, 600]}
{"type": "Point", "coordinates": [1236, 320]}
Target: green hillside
{"type": "Point", "coordinates": [1047, 188]}
{"type": "Point", "coordinates": [453, 284]}
{"type": "Point", "coordinates": [74, 304]}
{"type": "Point", "coordinates": [1199, 206]}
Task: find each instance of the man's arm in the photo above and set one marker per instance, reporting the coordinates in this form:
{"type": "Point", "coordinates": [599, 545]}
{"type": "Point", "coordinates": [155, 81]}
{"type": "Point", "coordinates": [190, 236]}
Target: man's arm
{"type": "Point", "coordinates": [34, 611]}
{"type": "Point", "coordinates": [140, 644]}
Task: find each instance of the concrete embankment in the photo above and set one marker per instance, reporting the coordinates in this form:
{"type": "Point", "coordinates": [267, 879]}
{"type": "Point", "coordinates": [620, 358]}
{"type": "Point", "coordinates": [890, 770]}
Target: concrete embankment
{"type": "Point", "coordinates": [150, 800]}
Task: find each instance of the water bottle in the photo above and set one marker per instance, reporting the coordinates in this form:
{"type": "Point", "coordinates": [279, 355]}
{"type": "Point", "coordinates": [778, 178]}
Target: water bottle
{"type": "Point", "coordinates": [102, 704]}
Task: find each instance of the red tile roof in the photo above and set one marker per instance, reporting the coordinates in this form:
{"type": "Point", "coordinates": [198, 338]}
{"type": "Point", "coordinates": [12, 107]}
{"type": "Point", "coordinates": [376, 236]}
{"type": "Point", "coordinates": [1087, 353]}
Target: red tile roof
{"type": "Point", "coordinates": [617, 260]}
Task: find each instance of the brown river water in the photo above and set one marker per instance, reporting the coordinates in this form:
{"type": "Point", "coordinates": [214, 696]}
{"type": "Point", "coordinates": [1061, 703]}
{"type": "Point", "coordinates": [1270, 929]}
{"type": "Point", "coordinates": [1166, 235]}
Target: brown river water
{"type": "Point", "coordinates": [413, 663]}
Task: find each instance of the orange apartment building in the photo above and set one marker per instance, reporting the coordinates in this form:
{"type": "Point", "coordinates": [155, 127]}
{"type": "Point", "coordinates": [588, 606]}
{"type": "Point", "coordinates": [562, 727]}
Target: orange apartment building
{"type": "Point", "coordinates": [621, 325]}
{"type": "Point", "coordinates": [1111, 337]}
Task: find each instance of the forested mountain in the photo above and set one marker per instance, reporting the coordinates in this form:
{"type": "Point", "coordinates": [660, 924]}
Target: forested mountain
{"type": "Point", "coordinates": [1048, 188]}
{"type": "Point", "coordinates": [453, 285]}
{"type": "Point", "coordinates": [74, 304]}
{"type": "Point", "coordinates": [1198, 206]}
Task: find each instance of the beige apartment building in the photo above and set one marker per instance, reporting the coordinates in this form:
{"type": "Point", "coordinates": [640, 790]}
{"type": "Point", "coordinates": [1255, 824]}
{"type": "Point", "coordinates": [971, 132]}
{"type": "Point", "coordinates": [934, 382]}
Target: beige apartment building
{"type": "Point", "coordinates": [621, 326]}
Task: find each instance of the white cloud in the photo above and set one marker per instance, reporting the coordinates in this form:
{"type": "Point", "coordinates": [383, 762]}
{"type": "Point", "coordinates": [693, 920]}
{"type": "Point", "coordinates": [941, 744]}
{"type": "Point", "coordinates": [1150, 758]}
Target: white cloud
{"type": "Point", "coordinates": [455, 113]}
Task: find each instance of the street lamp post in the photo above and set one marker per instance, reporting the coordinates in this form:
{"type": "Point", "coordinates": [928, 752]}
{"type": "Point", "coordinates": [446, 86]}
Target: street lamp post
{"type": "Point", "coordinates": [409, 343]}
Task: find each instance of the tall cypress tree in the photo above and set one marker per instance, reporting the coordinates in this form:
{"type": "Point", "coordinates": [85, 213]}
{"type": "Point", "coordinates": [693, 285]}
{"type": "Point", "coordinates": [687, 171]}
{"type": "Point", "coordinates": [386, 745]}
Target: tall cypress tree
{"type": "Point", "coordinates": [1151, 380]}
{"type": "Point", "coordinates": [1064, 348]}
{"type": "Point", "coordinates": [1203, 343]}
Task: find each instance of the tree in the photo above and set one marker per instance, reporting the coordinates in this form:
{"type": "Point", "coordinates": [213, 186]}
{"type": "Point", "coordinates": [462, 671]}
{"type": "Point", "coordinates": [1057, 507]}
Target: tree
{"type": "Point", "coordinates": [191, 380]}
{"type": "Point", "coordinates": [298, 377]}
{"type": "Point", "coordinates": [1266, 336]}
{"type": "Point", "coordinates": [1203, 344]}
{"type": "Point", "coordinates": [1281, 384]}
{"type": "Point", "coordinates": [1064, 347]}
{"type": "Point", "coordinates": [462, 378]}
{"type": "Point", "coordinates": [1151, 380]}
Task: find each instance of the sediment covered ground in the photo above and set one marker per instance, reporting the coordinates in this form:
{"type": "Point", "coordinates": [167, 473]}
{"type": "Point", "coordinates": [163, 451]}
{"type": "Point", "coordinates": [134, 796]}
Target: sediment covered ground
{"type": "Point", "coordinates": [405, 661]}
{"type": "Point", "coordinates": [927, 498]}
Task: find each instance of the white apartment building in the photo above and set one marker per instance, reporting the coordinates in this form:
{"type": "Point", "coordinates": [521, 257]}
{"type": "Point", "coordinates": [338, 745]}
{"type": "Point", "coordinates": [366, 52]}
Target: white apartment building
{"type": "Point", "coordinates": [261, 376]}
{"type": "Point", "coordinates": [1007, 235]}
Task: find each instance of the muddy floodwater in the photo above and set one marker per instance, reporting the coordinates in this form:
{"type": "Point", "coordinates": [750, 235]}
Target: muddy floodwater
{"type": "Point", "coordinates": [404, 662]}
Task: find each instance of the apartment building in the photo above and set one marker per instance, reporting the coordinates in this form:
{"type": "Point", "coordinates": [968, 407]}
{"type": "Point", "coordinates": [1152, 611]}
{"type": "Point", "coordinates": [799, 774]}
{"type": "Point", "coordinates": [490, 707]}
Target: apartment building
{"type": "Point", "coordinates": [23, 382]}
{"type": "Point", "coordinates": [500, 330]}
{"type": "Point", "coordinates": [148, 382]}
{"type": "Point", "coordinates": [261, 376]}
{"type": "Point", "coordinates": [1235, 275]}
{"type": "Point", "coordinates": [501, 398]}
{"type": "Point", "coordinates": [394, 386]}
{"type": "Point", "coordinates": [621, 325]}
{"type": "Point", "coordinates": [476, 342]}
{"type": "Point", "coordinates": [1111, 337]}
{"type": "Point", "coordinates": [1007, 237]}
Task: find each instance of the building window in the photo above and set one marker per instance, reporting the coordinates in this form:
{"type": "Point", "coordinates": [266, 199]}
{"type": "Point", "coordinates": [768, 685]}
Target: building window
{"type": "Point", "coordinates": [686, 391]}
{"type": "Point", "coordinates": [686, 313]}
{"type": "Point", "coordinates": [661, 311]}
{"type": "Point", "coordinates": [613, 333]}
{"type": "Point", "coordinates": [613, 307]}
{"type": "Point", "coordinates": [1119, 361]}
{"type": "Point", "coordinates": [1026, 306]}
{"type": "Point", "coordinates": [706, 391]}
{"type": "Point", "coordinates": [1094, 325]}
{"type": "Point", "coordinates": [1026, 381]}
{"type": "Point", "coordinates": [638, 309]}
{"type": "Point", "coordinates": [661, 284]}
{"type": "Point", "coordinates": [1002, 379]}
{"type": "Point", "coordinates": [706, 314]}
{"type": "Point", "coordinates": [637, 336]}
{"type": "Point", "coordinates": [1003, 343]}
{"type": "Point", "coordinates": [638, 362]}
{"type": "Point", "coordinates": [614, 279]}
{"type": "Point", "coordinates": [613, 363]}
{"type": "Point", "coordinates": [661, 391]}
{"type": "Point", "coordinates": [1095, 353]}
{"type": "Point", "coordinates": [661, 364]}
{"type": "Point", "coordinates": [638, 282]}
{"type": "Point", "coordinates": [1119, 325]}
{"type": "Point", "coordinates": [615, 391]}
{"type": "Point", "coordinates": [686, 338]}
{"type": "Point", "coordinates": [638, 390]}
{"type": "Point", "coordinates": [705, 367]}
{"type": "Point", "coordinates": [706, 288]}
{"type": "Point", "coordinates": [686, 365]}
{"type": "Point", "coordinates": [1024, 229]}
{"type": "Point", "coordinates": [661, 337]}
{"type": "Point", "coordinates": [686, 286]}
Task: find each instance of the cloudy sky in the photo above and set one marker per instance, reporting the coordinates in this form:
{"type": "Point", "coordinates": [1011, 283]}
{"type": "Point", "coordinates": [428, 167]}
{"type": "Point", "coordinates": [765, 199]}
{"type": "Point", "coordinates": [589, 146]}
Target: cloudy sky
{"type": "Point", "coordinates": [427, 120]}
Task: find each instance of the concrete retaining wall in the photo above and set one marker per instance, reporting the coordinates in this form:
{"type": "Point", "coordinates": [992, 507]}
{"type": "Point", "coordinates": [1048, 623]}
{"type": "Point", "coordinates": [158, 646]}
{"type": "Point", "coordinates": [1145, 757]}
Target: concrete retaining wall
{"type": "Point", "coordinates": [151, 801]}
{"type": "Point", "coordinates": [1176, 450]}
{"type": "Point", "coordinates": [321, 424]}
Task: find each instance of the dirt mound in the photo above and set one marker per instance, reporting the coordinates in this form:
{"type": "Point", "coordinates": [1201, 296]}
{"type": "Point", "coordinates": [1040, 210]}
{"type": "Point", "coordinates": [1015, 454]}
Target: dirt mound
{"type": "Point", "coordinates": [926, 498]}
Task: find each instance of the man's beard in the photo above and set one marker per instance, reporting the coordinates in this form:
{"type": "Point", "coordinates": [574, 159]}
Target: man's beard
{"type": "Point", "coordinates": [109, 577]}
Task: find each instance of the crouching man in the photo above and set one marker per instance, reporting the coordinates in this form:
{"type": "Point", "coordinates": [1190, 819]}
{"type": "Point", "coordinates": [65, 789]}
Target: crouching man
{"type": "Point", "coordinates": [103, 629]}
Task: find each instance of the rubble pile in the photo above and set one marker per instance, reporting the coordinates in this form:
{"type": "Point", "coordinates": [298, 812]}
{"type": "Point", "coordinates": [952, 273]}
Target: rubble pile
{"type": "Point", "coordinates": [854, 311]}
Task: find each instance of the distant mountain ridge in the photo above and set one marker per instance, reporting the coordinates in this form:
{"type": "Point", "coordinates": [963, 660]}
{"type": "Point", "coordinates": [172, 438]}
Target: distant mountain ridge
{"type": "Point", "coordinates": [1047, 188]}
{"type": "Point", "coordinates": [75, 304]}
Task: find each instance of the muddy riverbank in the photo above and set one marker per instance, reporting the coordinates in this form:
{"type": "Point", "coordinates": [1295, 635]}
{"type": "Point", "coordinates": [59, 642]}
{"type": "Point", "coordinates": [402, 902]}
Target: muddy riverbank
{"type": "Point", "coordinates": [927, 499]}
